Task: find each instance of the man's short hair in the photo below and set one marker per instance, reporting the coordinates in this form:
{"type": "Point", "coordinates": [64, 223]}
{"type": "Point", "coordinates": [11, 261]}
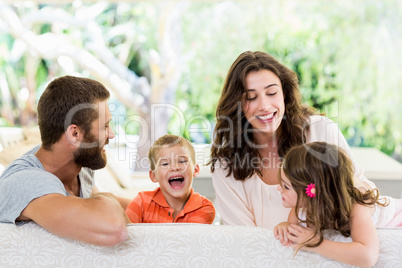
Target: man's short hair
{"type": "Point", "coordinates": [169, 140]}
{"type": "Point", "coordinates": [59, 98]}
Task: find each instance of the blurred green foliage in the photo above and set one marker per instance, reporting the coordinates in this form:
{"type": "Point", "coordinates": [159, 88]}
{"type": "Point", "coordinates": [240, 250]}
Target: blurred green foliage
{"type": "Point", "coordinates": [346, 54]}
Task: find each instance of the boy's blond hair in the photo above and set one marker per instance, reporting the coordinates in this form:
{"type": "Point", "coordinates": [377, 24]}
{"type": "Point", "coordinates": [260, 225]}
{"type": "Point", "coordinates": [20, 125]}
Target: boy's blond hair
{"type": "Point", "coordinates": [169, 140]}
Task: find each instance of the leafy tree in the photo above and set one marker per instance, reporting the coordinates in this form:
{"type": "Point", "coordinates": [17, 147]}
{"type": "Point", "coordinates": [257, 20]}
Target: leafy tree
{"type": "Point", "coordinates": [177, 54]}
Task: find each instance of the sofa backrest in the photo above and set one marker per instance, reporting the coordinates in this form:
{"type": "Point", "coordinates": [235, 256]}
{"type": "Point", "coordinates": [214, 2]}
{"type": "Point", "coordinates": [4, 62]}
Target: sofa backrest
{"type": "Point", "coordinates": [173, 245]}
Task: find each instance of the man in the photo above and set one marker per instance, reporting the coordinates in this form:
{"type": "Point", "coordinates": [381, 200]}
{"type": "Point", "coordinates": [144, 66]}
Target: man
{"type": "Point", "coordinates": [53, 184]}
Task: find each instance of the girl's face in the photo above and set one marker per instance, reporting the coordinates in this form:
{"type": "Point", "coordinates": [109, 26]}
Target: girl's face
{"type": "Point", "coordinates": [263, 103]}
{"type": "Point", "coordinates": [289, 195]}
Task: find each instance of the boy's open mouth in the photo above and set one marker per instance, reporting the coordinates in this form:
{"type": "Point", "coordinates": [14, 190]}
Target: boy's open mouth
{"type": "Point", "coordinates": [176, 182]}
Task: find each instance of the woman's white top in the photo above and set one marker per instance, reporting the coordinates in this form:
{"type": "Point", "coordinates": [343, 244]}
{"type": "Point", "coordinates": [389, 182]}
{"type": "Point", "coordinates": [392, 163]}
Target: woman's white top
{"type": "Point", "coordinates": [252, 202]}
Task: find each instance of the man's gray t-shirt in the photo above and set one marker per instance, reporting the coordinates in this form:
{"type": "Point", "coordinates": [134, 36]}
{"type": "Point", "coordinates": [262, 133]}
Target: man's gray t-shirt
{"type": "Point", "coordinates": [25, 179]}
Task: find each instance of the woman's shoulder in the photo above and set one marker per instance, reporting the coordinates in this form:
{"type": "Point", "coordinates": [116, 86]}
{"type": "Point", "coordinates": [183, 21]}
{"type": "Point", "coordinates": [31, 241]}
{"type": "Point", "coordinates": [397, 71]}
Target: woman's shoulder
{"type": "Point", "coordinates": [318, 120]}
{"type": "Point", "coordinates": [322, 128]}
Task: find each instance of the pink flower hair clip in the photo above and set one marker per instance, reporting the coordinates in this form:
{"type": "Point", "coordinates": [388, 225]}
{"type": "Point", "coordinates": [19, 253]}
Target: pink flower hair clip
{"type": "Point", "coordinates": [310, 190]}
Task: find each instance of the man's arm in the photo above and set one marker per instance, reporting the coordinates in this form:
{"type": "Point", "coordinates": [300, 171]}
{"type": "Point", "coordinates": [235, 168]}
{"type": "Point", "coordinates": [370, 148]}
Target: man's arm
{"type": "Point", "coordinates": [122, 200]}
{"type": "Point", "coordinates": [98, 220]}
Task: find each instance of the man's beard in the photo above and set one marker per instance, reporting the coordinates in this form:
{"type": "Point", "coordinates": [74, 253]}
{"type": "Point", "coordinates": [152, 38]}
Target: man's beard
{"type": "Point", "coordinates": [93, 158]}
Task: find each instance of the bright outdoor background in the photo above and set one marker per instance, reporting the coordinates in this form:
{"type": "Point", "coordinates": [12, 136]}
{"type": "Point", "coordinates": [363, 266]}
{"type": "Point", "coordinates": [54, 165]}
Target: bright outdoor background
{"type": "Point", "coordinates": [165, 61]}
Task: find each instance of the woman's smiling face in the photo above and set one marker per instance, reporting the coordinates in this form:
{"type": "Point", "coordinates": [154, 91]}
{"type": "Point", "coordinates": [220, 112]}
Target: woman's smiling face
{"type": "Point", "coordinates": [263, 103]}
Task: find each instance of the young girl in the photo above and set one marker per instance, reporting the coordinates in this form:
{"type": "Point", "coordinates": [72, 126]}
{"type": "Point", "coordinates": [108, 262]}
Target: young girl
{"type": "Point", "coordinates": [316, 182]}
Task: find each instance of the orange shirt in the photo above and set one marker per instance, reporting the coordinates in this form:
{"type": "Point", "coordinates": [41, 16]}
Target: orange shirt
{"type": "Point", "coordinates": [151, 207]}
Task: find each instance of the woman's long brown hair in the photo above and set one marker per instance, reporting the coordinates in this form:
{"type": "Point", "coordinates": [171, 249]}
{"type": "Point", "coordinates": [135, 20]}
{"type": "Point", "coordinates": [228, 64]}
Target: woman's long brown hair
{"type": "Point", "coordinates": [233, 140]}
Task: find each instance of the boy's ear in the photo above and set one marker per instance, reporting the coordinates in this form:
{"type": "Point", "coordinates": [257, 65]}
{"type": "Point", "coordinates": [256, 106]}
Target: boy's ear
{"type": "Point", "coordinates": [152, 176]}
{"type": "Point", "coordinates": [196, 170]}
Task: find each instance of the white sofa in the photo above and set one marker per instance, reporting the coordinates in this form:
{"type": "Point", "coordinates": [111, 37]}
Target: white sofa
{"type": "Point", "coordinates": [159, 245]}
{"type": "Point", "coordinates": [173, 245]}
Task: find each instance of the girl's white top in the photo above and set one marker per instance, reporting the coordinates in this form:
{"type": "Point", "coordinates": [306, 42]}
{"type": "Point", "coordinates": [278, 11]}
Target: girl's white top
{"type": "Point", "coordinates": [381, 217]}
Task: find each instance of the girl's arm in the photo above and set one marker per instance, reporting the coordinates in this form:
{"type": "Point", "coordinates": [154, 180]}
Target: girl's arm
{"type": "Point", "coordinates": [281, 230]}
{"type": "Point", "coordinates": [362, 251]}
{"type": "Point", "coordinates": [292, 218]}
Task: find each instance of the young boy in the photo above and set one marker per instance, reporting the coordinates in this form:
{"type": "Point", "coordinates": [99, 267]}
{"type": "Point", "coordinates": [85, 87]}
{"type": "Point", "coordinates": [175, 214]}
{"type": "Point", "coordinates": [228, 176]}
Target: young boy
{"type": "Point", "coordinates": [172, 161]}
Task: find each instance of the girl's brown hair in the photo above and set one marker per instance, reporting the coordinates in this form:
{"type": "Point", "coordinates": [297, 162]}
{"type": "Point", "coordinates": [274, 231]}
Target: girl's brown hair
{"type": "Point", "coordinates": [233, 139]}
{"type": "Point", "coordinates": [331, 170]}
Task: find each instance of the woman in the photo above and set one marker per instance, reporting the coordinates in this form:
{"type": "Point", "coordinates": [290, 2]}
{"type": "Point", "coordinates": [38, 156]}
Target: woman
{"type": "Point", "coordinates": [259, 118]}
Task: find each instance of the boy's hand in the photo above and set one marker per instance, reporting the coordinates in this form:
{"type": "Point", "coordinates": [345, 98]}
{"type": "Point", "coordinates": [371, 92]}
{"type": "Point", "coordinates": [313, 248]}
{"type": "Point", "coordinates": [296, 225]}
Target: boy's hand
{"type": "Point", "coordinates": [298, 235]}
{"type": "Point", "coordinates": [281, 232]}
